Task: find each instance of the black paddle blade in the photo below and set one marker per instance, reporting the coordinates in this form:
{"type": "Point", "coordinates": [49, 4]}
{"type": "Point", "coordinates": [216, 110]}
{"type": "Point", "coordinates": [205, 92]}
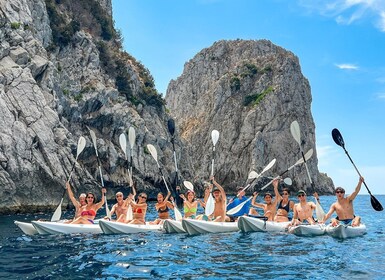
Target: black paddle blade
{"type": "Point", "coordinates": [337, 137]}
{"type": "Point", "coordinates": [376, 204]}
{"type": "Point", "coordinates": [171, 126]}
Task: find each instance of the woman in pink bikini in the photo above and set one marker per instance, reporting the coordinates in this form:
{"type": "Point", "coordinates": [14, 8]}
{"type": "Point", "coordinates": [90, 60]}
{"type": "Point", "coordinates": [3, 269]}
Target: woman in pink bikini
{"type": "Point", "coordinates": [88, 211]}
{"type": "Point", "coordinates": [139, 210]}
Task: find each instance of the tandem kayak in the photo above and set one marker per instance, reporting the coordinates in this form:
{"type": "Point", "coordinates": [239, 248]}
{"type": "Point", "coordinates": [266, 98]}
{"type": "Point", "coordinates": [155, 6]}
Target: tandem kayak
{"type": "Point", "coordinates": [110, 227]}
{"type": "Point", "coordinates": [193, 227]}
{"type": "Point", "coordinates": [27, 228]}
{"type": "Point", "coordinates": [250, 224]}
{"type": "Point", "coordinates": [345, 231]}
{"type": "Point", "coordinates": [172, 226]}
{"type": "Point", "coordinates": [62, 228]}
{"type": "Point", "coordinates": [307, 230]}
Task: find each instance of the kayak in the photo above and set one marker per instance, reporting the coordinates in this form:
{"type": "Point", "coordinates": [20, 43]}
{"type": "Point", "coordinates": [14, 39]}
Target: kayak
{"type": "Point", "coordinates": [110, 227]}
{"type": "Point", "coordinates": [307, 230]}
{"type": "Point", "coordinates": [250, 224]}
{"type": "Point", "coordinates": [193, 227]}
{"type": "Point", "coordinates": [27, 228]}
{"type": "Point", "coordinates": [62, 228]}
{"type": "Point", "coordinates": [172, 226]}
{"type": "Point", "coordinates": [344, 231]}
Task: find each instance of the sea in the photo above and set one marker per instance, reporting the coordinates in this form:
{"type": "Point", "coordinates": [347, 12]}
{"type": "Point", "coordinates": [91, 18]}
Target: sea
{"type": "Point", "coordinates": [159, 255]}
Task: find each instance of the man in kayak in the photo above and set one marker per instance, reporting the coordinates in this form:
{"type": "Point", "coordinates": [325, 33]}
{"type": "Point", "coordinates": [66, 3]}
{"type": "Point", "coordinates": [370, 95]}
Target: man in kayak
{"type": "Point", "coordinates": [344, 207]}
{"type": "Point", "coordinates": [303, 211]}
{"type": "Point", "coordinates": [78, 204]}
{"type": "Point", "coordinates": [219, 195]}
{"type": "Point", "coordinates": [270, 205]}
{"type": "Point", "coordinates": [119, 208]}
{"type": "Point", "coordinates": [240, 198]}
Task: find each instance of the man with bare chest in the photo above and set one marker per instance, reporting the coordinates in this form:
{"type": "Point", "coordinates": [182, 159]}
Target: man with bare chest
{"type": "Point", "coordinates": [303, 211]}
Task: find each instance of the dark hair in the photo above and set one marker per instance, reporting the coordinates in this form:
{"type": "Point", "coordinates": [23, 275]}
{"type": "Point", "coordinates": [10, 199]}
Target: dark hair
{"type": "Point", "coordinates": [190, 191]}
{"type": "Point", "coordinates": [340, 189]}
{"type": "Point", "coordinates": [92, 195]}
{"type": "Point", "coordinates": [286, 190]}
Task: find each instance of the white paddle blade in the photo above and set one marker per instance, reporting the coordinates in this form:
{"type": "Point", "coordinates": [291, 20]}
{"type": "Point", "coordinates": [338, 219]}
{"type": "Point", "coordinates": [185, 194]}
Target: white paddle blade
{"type": "Point", "coordinates": [131, 136]}
{"type": "Point", "coordinates": [210, 205]}
{"type": "Point", "coordinates": [288, 181]}
{"type": "Point", "coordinates": [320, 213]}
{"type": "Point", "coordinates": [123, 143]}
{"type": "Point", "coordinates": [253, 175]}
{"type": "Point", "coordinates": [237, 208]}
{"type": "Point", "coordinates": [81, 145]}
{"type": "Point", "coordinates": [270, 165]}
{"type": "Point", "coordinates": [188, 185]}
{"type": "Point", "coordinates": [178, 214]}
{"type": "Point", "coordinates": [153, 151]}
{"type": "Point", "coordinates": [129, 215]}
{"type": "Point", "coordinates": [296, 132]}
{"type": "Point", "coordinates": [215, 136]}
{"type": "Point", "coordinates": [57, 214]}
{"type": "Point", "coordinates": [301, 160]}
{"type": "Point", "coordinates": [93, 137]}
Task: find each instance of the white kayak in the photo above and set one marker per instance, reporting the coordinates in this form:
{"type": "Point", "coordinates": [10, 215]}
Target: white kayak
{"type": "Point", "coordinates": [62, 228]}
{"type": "Point", "coordinates": [27, 228]}
{"type": "Point", "coordinates": [111, 227]}
{"type": "Point", "coordinates": [172, 226]}
{"type": "Point", "coordinates": [345, 231]}
{"type": "Point", "coordinates": [193, 227]}
{"type": "Point", "coordinates": [250, 224]}
{"type": "Point", "coordinates": [307, 230]}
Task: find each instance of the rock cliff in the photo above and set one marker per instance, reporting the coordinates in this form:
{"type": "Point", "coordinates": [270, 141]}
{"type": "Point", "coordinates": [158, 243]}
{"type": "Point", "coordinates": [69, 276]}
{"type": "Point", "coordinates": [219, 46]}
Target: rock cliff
{"type": "Point", "coordinates": [250, 91]}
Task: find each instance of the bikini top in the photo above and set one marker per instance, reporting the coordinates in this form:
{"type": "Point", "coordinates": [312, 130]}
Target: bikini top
{"type": "Point", "coordinates": [286, 207]}
{"type": "Point", "coordinates": [165, 210]}
{"type": "Point", "coordinates": [88, 213]}
{"type": "Point", "coordinates": [137, 210]}
{"type": "Point", "coordinates": [192, 210]}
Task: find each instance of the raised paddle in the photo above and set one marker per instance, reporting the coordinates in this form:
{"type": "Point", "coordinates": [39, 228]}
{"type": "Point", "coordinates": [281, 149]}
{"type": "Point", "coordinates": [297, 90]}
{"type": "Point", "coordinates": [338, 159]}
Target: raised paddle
{"type": "Point", "coordinates": [123, 146]}
{"type": "Point", "coordinates": [154, 154]}
{"type": "Point", "coordinates": [188, 185]}
{"type": "Point", "coordinates": [337, 137]}
{"type": "Point", "coordinates": [80, 147]}
{"type": "Point", "coordinates": [296, 132]}
{"type": "Point", "coordinates": [131, 140]}
{"type": "Point", "coordinates": [93, 137]}
{"type": "Point", "coordinates": [210, 203]}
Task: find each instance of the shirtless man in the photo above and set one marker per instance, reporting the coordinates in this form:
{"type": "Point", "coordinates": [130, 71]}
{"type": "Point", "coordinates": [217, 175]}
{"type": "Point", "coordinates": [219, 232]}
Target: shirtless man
{"type": "Point", "coordinates": [219, 214]}
{"type": "Point", "coordinates": [119, 208]}
{"type": "Point", "coordinates": [344, 207]}
{"type": "Point", "coordinates": [78, 204]}
{"type": "Point", "coordinates": [303, 211]}
{"type": "Point", "coordinates": [269, 208]}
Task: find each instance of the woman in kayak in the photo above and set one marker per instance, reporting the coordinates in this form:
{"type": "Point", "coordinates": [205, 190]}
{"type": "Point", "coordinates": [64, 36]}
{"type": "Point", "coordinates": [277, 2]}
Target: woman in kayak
{"type": "Point", "coordinates": [88, 212]}
{"type": "Point", "coordinates": [162, 206]}
{"type": "Point", "coordinates": [139, 209]}
{"type": "Point", "coordinates": [78, 204]}
{"type": "Point", "coordinates": [190, 205]}
{"type": "Point", "coordinates": [284, 205]}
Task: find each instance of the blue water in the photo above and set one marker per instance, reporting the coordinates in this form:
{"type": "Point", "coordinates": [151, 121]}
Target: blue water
{"type": "Point", "coordinates": [178, 256]}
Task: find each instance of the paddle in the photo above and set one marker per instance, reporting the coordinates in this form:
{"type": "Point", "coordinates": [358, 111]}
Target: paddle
{"type": "Point", "coordinates": [80, 147]}
{"type": "Point", "coordinates": [154, 154]}
{"type": "Point", "coordinates": [296, 132]}
{"type": "Point", "coordinates": [93, 137]}
{"type": "Point", "coordinates": [131, 140]}
{"type": "Point", "coordinates": [252, 175]}
{"type": "Point", "coordinates": [337, 137]}
{"type": "Point", "coordinates": [188, 185]}
{"type": "Point", "coordinates": [210, 201]}
{"type": "Point", "coordinates": [123, 146]}
{"type": "Point", "coordinates": [171, 129]}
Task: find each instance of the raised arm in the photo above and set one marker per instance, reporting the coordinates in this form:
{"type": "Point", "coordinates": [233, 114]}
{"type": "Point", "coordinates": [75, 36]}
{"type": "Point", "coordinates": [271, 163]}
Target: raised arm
{"type": "Point", "coordinates": [71, 196]}
{"type": "Point", "coordinates": [357, 190]}
{"type": "Point", "coordinates": [329, 213]}
{"type": "Point", "coordinates": [101, 202]}
{"type": "Point", "coordinates": [223, 193]}
{"type": "Point", "coordinates": [259, 205]}
{"type": "Point", "coordinates": [278, 197]}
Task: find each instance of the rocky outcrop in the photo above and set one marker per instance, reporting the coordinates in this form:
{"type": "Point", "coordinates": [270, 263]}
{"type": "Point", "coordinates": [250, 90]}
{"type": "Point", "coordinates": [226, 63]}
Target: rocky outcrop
{"type": "Point", "coordinates": [250, 91]}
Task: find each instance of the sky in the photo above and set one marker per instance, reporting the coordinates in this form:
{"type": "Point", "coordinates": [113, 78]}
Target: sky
{"type": "Point", "coordinates": [340, 45]}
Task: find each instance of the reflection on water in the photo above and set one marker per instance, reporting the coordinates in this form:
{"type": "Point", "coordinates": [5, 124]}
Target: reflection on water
{"type": "Point", "coordinates": [157, 255]}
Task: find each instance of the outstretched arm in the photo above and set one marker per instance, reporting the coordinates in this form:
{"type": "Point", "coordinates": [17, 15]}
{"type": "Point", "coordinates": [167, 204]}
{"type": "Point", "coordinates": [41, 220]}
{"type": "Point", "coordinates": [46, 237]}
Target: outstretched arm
{"type": "Point", "coordinates": [220, 188]}
{"type": "Point", "coordinates": [278, 197]}
{"type": "Point", "coordinates": [329, 213]}
{"type": "Point", "coordinates": [71, 196]}
{"type": "Point", "coordinates": [357, 190]}
{"type": "Point", "coordinates": [101, 202]}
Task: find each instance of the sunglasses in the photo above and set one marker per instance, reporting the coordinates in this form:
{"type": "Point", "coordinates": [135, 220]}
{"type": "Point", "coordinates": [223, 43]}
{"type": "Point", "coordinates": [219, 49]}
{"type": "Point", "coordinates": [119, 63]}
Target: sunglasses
{"type": "Point", "coordinates": [339, 192]}
{"type": "Point", "coordinates": [285, 194]}
{"type": "Point", "coordinates": [90, 197]}
{"type": "Point", "coordinates": [119, 195]}
{"type": "Point", "coordinates": [144, 197]}
{"type": "Point", "coordinates": [300, 195]}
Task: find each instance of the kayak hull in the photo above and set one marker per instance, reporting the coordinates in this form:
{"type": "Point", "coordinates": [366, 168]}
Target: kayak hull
{"type": "Point", "coordinates": [250, 224]}
{"type": "Point", "coordinates": [172, 226]}
{"type": "Point", "coordinates": [62, 228]}
{"type": "Point", "coordinates": [343, 231]}
{"type": "Point", "coordinates": [110, 227]}
{"type": "Point", "coordinates": [194, 227]}
{"type": "Point", "coordinates": [27, 228]}
{"type": "Point", "coordinates": [308, 230]}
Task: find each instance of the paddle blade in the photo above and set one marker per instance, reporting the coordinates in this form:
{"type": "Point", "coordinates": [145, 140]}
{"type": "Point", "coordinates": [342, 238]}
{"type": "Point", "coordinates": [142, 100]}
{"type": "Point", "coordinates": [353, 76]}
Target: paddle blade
{"type": "Point", "coordinates": [237, 208]}
{"type": "Point", "coordinates": [337, 137]}
{"type": "Point", "coordinates": [253, 175]}
{"type": "Point", "coordinates": [178, 214]}
{"type": "Point", "coordinates": [171, 126]}
{"type": "Point", "coordinates": [296, 132]}
{"type": "Point", "coordinates": [288, 181]}
{"type": "Point", "coordinates": [188, 185]}
{"type": "Point", "coordinates": [306, 157]}
{"type": "Point", "coordinates": [131, 136]}
{"type": "Point", "coordinates": [81, 145]}
{"type": "Point", "coordinates": [57, 214]}
{"type": "Point", "coordinates": [376, 204]}
{"type": "Point", "coordinates": [123, 143]}
{"type": "Point", "coordinates": [319, 212]}
{"type": "Point", "coordinates": [129, 215]}
{"type": "Point", "coordinates": [215, 136]}
{"type": "Point", "coordinates": [210, 206]}
{"type": "Point", "coordinates": [270, 165]}
{"type": "Point", "coordinates": [153, 151]}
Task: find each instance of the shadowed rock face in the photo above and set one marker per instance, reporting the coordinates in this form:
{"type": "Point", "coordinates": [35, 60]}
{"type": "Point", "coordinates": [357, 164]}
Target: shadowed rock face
{"type": "Point", "coordinates": [52, 89]}
{"type": "Point", "coordinates": [250, 91]}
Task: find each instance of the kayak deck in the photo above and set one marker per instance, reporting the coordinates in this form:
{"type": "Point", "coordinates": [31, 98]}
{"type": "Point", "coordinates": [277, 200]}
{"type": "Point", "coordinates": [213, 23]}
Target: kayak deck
{"type": "Point", "coordinates": [111, 227]}
{"type": "Point", "coordinates": [345, 231]}
{"type": "Point", "coordinates": [27, 228]}
{"type": "Point", "coordinates": [251, 224]}
{"type": "Point", "coordinates": [172, 226]}
{"type": "Point", "coordinates": [194, 227]}
{"type": "Point", "coordinates": [61, 228]}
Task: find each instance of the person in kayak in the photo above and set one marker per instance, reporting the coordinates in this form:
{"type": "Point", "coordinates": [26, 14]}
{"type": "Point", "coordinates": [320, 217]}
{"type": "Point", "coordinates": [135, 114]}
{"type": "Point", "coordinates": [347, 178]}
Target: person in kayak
{"type": "Point", "coordinates": [303, 211]}
{"type": "Point", "coordinates": [190, 204]}
{"type": "Point", "coordinates": [78, 204]}
{"type": "Point", "coordinates": [88, 212]}
{"type": "Point", "coordinates": [344, 207]}
{"type": "Point", "coordinates": [162, 207]}
{"type": "Point", "coordinates": [139, 209]}
{"type": "Point", "coordinates": [284, 205]}
{"type": "Point", "coordinates": [270, 205]}
{"type": "Point", "coordinates": [119, 208]}
{"type": "Point", "coordinates": [240, 198]}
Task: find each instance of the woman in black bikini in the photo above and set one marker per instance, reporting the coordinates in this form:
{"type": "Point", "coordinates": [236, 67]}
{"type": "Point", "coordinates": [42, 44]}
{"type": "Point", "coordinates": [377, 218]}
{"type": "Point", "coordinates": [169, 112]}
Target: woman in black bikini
{"type": "Point", "coordinates": [284, 206]}
{"type": "Point", "coordinates": [162, 206]}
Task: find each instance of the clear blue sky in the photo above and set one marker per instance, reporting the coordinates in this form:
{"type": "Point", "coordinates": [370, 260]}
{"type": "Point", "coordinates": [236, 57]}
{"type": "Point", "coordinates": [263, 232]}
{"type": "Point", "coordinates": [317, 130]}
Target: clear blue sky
{"type": "Point", "coordinates": [340, 45]}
